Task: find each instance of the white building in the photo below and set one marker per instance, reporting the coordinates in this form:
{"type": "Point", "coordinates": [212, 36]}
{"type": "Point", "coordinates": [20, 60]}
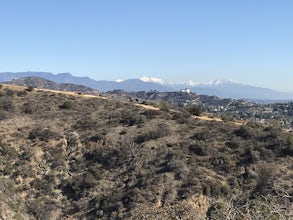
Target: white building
{"type": "Point", "coordinates": [185, 90]}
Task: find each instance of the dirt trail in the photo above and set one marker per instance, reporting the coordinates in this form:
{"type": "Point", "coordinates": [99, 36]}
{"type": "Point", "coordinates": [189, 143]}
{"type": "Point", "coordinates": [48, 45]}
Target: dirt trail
{"type": "Point", "coordinates": [206, 118]}
{"type": "Point", "coordinates": [149, 107]}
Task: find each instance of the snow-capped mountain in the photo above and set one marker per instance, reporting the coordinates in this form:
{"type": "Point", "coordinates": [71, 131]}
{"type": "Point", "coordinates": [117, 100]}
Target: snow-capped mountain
{"type": "Point", "coordinates": [217, 83]}
{"type": "Point", "coordinates": [189, 83]}
{"type": "Point", "coordinates": [221, 88]}
{"type": "Point", "coordinates": [153, 80]}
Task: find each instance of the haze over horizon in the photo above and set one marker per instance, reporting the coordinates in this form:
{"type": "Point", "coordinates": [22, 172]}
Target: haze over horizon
{"type": "Point", "coordinates": [249, 42]}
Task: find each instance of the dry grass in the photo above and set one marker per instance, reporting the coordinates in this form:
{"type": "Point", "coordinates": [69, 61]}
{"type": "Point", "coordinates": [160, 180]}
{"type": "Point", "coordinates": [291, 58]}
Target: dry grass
{"type": "Point", "coordinates": [107, 159]}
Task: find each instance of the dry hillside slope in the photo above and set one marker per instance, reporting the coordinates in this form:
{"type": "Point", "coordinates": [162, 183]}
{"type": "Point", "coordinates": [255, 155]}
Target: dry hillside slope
{"type": "Point", "coordinates": [65, 156]}
{"type": "Point", "coordinates": [37, 82]}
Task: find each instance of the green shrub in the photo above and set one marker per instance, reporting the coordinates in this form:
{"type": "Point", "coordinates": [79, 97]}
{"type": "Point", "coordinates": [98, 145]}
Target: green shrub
{"type": "Point", "coordinates": [217, 211]}
{"type": "Point", "coordinates": [287, 150]}
{"type": "Point", "coordinates": [250, 156]}
{"type": "Point", "coordinates": [130, 118]}
{"type": "Point", "coordinates": [42, 134]}
{"type": "Point", "coordinates": [151, 114]}
{"type": "Point", "coordinates": [85, 123]}
{"type": "Point", "coordinates": [6, 103]}
{"type": "Point", "coordinates": [273, 132]}
{"type": "Point", "coordinates": [21, 93]}
{"type": "Point", "coordinates": [201, 148]}
{"type": "Point", "coordinates": [179, 167]}
{"type": "Point", "coordinates": [233, 144]}
{"type": "Point", "coordinates": [265, 179]}
{"type": "Point", "coordinates": [161, 130]}
{"type": "Point", "coordinates": [164, 106]}
{"type": "Point", "coordinates": [30, 88]}
{"type": "Point", "coordinates": [9, 92]}
{"type": "Point", "coordinates": [195, 110]}
{"type": "Point", "coordinates": [203, 135]}
{"type": "Point", "coordinates": [96, 137]}
{"type": "Point", "coordinates": [181, 117]}
{"type": "Point", "coordinates": [3, 114]}
{"type": "Point", "coordinates": [215, 189]}
{"type": "Point", "coordinates": [245, 132]}
{"type": "Point", "coordinates": [111, 202]}
{"type": "Point", "coordinates": [68, 104]}
{"type": "Point", "coordinates": [28, 108]}
{"type": "Point", "coordinates": [222, 163]}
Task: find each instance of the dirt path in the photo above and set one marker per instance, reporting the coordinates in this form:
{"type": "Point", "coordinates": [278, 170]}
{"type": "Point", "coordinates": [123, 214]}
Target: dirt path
{"type": "Point", "coordinates": [149, 107]}
{"type": "Point", "coordinates": [206, 118]}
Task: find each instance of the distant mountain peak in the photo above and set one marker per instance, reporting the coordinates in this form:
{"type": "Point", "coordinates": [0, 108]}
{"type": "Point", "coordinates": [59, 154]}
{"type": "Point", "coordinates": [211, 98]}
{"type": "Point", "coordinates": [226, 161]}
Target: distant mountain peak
{"type": "Point", "coordinates": [218, 82]}
{"type": "Point", "coordinates": [191, 83]}
{"type": "Point", "coordinates": [153, 79]}
{"type": "Point", "coordinates": [64, 74]}
{"type": "Point", "coordinates": [213, 83]}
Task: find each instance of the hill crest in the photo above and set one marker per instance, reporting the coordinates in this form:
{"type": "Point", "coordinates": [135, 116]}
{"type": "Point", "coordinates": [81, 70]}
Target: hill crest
{"type": "Point", "coordinates": [38, 82]}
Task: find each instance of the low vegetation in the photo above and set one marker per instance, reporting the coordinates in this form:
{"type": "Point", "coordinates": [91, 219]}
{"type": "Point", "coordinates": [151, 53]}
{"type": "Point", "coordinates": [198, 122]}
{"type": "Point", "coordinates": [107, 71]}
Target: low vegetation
{"type": "Point", "coordinates": [72, 157]}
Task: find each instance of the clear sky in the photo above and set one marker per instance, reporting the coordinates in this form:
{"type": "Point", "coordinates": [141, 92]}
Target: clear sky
{"type": "Point", "coordinates": [248, 41]}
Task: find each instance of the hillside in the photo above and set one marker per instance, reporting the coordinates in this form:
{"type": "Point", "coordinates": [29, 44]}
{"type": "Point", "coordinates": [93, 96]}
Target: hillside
{"type": "Point", "coordinates": [227, 109]}
{"type": "Point", "coordinates": [66, 156]}
{"type": "Point", "coordinates": [37, 82]}
{"type": "Point", "coordinates": [100, 85]}
{"type": "Point", "coordinates": [175, 99]}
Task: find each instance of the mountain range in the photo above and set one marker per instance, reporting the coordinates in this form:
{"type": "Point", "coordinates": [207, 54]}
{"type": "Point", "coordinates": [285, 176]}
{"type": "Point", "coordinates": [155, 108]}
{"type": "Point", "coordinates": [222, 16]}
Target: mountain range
{"type": "Point", "coordinates": [37, 82]}
{"type": "Point", "coordinates": [220, 88]}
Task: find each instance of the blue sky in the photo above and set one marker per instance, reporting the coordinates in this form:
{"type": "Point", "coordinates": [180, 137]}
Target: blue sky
{"type": "Point", "coordinates": [249, 41]}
